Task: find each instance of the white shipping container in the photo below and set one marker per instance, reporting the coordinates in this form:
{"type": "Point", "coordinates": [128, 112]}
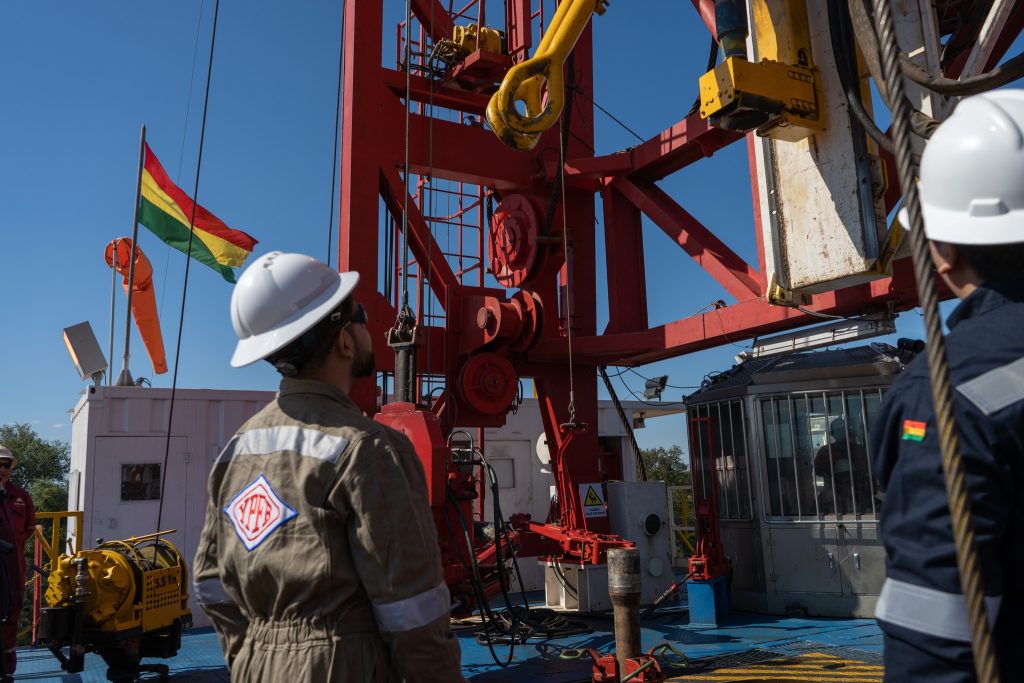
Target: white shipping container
{"type": "Point", "coordinates": [119, 440]}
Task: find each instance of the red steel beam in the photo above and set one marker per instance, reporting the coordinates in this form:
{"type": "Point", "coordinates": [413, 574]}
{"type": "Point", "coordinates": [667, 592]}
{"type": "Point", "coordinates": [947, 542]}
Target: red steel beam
{"type": "Point", "coordinates": [429, 92]}
{"type": "Point", "coordinates": [667, 152]}
{"type": "Point", "coordinates": [624, 259]}
{"type": "Point", "coordinates": [434, 17]}
{"type": "Point", "coordinates": [731, 324]}
{"type": "Point", "coordinates": [468, 154]}
{"type": "Point", "coordinates": [720, 262]}
{"type": "Point", "coordinates": [445, 149]}
{"type": "Point", "coordinates": [359, 201]}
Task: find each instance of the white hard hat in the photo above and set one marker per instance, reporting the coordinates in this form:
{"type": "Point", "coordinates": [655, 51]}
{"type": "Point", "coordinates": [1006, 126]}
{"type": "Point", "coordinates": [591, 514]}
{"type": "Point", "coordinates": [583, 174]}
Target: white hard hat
{"type": "Point", "coordinates": [972, 173]}
{"type": "Point", "coordinates": [278, 298]}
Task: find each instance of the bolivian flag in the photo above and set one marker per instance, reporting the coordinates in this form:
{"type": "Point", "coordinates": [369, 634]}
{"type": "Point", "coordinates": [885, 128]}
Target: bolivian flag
{"type": "Point", "coordinates": [166, 210]}
{"type": "Point", "coordinates": [914, 430]}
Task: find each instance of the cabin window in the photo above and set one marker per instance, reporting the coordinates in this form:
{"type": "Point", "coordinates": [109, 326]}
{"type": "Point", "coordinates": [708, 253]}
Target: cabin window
{"type": "Point", "coordinates": [719, 429]}
{"type": "Point", "coordinates": [816, 457]}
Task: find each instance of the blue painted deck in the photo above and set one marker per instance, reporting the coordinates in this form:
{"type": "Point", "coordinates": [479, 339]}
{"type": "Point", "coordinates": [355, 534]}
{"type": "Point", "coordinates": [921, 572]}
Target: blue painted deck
{"type": "Point", "coordinates": [200, 658]}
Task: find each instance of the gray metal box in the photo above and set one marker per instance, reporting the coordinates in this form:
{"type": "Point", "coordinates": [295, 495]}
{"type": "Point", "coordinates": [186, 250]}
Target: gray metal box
{"type": "Point", "coordinates": [576, 588]}
{"type": "Point", "coordinates": [638, 510]}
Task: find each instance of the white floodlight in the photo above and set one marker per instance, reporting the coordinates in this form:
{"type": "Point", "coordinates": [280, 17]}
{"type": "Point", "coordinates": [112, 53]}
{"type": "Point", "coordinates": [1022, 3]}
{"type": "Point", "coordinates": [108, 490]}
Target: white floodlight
{"type": "Point", "coordinates": [85, 351]}
{"type": "Point", "coordinates": [654, 387]}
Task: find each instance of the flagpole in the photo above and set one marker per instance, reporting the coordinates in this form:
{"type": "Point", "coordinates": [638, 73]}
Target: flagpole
{"type": "Point", "coordinates": [125, 378]}
{"type": "Point", "coordinates": [113, 307]}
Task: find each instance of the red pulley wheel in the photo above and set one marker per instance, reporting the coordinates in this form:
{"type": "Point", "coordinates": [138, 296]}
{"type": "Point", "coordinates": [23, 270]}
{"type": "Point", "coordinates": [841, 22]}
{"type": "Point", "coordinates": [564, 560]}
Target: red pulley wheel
{"type": "Point", "coordinates": [489, 383]}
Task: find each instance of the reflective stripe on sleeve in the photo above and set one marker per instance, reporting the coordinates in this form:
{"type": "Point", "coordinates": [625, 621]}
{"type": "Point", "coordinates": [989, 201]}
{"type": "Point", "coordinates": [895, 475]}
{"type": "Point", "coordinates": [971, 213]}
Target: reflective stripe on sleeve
{"type": "Point", "coordinates": [211, 592]}
{"type": "Point", "coordinates": [929, 611]}
{"type": "Point", "coordinates": [419, 610]}
{"type": "Point", "coordinates": [996, 389]}
{"type": "Point", "coordinates": [310, 443]}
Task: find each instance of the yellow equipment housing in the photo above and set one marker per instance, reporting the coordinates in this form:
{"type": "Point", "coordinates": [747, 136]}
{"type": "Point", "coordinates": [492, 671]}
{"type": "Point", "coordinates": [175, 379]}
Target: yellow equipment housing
{"type": "Point", "coordinates": [468, 39]}
{"type": "Point", "coordinates": [779, 100]}
{"type": "Point", "coordinates": [778, 94]}
{"type": "Point", "coordinates": [124, 599]}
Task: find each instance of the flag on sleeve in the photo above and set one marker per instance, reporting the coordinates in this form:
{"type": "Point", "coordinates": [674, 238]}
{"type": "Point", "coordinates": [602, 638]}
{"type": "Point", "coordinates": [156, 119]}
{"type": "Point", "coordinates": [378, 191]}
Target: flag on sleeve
{"type": "Point", "coordinates": [166, 210]}
{"type": "Point", "coordinates": [914, 430]}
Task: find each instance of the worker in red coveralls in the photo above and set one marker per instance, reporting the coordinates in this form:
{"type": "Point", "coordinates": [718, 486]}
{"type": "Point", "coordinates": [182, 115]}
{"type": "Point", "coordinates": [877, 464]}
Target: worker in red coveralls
{"type": "Point", "coordinates": [17, 521]}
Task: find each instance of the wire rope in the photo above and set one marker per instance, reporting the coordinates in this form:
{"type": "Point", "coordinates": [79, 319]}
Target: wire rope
{"type": "Point", "coordinates": [952, 466]}
{"type": "Point", "coordinates": [568, 271]}
{"type": "Point", "coordinates": [184, 134]}
{"type": "Point", "coordinates": [405, 195]}
{"type": "Point", "coordinates": [188, 262]}
{"type": "Point", "coordinates": [641, 469]}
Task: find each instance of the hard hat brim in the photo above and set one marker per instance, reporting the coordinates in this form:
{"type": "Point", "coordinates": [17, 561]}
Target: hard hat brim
{"type": "Point", "coordinates": [944, 225]}
{"type": "Point", "coordinates": [259, 346]}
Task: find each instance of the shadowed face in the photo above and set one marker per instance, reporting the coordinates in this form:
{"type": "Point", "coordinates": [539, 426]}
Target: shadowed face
{"type": "Point", "coordinates": [6, 466]}
{"type": "Point", "coordinates": [364, 363]}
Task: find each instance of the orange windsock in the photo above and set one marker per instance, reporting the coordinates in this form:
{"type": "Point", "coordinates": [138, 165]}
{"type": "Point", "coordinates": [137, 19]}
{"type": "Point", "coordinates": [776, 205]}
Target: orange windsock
{"type": "Point", "coordinates": [118, 255]}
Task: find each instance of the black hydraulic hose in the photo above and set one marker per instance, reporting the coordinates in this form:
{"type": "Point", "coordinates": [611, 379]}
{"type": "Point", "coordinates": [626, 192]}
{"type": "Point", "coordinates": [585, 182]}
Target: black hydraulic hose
{"type": "Point", "coordinates": [1001, 75]}
{"type": "Point", "coordinates": [485, 611]}
{"type": "Point", "coordinates": [857, 20]}
{"type": "Point", "coordinates": [968, 563]}
{"type": "Point", "coordinates": [838, 24]}
{"type": "Point", "coordinates": [1004, 74]}
{"type": "Point", "coordinates": [498, 525]}
{"type": "Point", "coordinates": [508, 539]}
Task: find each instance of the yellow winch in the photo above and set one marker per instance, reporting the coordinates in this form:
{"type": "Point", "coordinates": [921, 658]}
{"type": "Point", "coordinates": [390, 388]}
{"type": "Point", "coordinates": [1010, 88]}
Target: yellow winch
{"type": "Point", "coordinates": [124, 600]}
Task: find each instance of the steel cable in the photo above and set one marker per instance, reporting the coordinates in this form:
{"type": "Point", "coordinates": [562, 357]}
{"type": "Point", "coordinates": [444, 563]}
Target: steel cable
{"type": "Point", "coordinates": [188, 262]}
{"type": "Point", "coordinates": [952, 465]}
{"type": "Point", "coordinates": [641, 470]}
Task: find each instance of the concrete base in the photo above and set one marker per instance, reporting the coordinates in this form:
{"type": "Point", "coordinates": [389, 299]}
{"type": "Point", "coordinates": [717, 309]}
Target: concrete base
{"type": "Point", "coordinates": [710, 602]}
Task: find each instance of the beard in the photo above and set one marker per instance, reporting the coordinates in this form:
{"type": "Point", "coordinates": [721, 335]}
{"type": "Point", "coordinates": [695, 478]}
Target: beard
{"type": "Point", "coordinates": [364, 366]}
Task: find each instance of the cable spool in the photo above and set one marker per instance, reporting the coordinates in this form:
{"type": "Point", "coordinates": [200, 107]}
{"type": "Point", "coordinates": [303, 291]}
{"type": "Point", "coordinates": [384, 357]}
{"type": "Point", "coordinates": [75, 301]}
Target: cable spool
{"type": "Point", "coordinates": [123, 600]}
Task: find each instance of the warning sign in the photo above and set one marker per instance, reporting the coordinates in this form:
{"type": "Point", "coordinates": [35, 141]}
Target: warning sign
{"type": "Point", "coordinates": [593, 501]}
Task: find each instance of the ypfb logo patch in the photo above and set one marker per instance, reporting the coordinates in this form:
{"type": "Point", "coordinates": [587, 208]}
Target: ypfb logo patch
{"type": "Point", "coordinates": [257, 511]}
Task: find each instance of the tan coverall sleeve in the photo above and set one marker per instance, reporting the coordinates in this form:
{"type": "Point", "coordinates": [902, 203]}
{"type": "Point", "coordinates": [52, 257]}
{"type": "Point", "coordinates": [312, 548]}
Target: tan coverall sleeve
{"type": "Point", "coordinates": [228, 620]}
{"type": "Point", "coordinates": [394, 546]}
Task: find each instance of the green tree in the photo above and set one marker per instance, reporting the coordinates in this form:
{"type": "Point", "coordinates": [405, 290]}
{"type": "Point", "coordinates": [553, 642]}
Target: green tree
{"type": "Point", "coordinates": [42, 466]}
{"type": "Point", "coordinates": [43, 471]}
{"type": "Point", "coordinates": [666, 464]}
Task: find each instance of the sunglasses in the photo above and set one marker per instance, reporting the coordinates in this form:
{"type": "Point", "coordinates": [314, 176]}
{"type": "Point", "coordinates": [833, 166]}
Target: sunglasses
{"type": "Point", "coordinates": [5, 464]}
{"type": "Point", "coordinates": [358, 316]}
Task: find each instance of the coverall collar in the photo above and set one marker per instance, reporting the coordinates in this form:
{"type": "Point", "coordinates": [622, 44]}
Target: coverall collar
{"type": "Point", "coordinates": [987, 297]}
{"type": "Point", "coordinates": [291, 386]}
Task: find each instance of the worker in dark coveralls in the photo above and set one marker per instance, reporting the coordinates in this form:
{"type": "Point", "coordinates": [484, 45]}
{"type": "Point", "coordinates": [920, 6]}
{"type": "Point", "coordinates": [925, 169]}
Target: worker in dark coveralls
{"type": "Point", "coordinates": [17, 522]}
{"type": "Point", "coordinates": [318, 561]}
{"type": "Point", "coordinates": [972, 197]}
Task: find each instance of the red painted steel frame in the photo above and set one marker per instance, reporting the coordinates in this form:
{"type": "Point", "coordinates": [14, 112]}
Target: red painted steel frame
{"type": "Point", "coordinates": [373, 155]}
{"type": "Point", "coordinates": [708, 560]}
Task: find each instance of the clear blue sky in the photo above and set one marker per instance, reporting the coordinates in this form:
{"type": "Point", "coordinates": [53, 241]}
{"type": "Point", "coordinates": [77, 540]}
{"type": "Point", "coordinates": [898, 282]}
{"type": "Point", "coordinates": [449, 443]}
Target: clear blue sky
{"type": "Point", "coordinates": [80, 78]}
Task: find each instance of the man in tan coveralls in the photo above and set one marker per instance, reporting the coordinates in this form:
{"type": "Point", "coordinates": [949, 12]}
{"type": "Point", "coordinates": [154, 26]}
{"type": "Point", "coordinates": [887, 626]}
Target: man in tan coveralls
{"type": "Point", "coordinates": [319, 560]}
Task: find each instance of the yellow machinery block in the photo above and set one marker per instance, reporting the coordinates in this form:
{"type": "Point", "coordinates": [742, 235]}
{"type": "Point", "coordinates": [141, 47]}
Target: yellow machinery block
{"type": "Point", "coordinates": [779, 100]}
{"type": "Point", "coordinates": [469, 40]}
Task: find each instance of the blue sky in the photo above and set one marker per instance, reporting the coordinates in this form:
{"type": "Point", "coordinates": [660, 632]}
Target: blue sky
{"type": "Point", "coordinates": [80, 78]}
